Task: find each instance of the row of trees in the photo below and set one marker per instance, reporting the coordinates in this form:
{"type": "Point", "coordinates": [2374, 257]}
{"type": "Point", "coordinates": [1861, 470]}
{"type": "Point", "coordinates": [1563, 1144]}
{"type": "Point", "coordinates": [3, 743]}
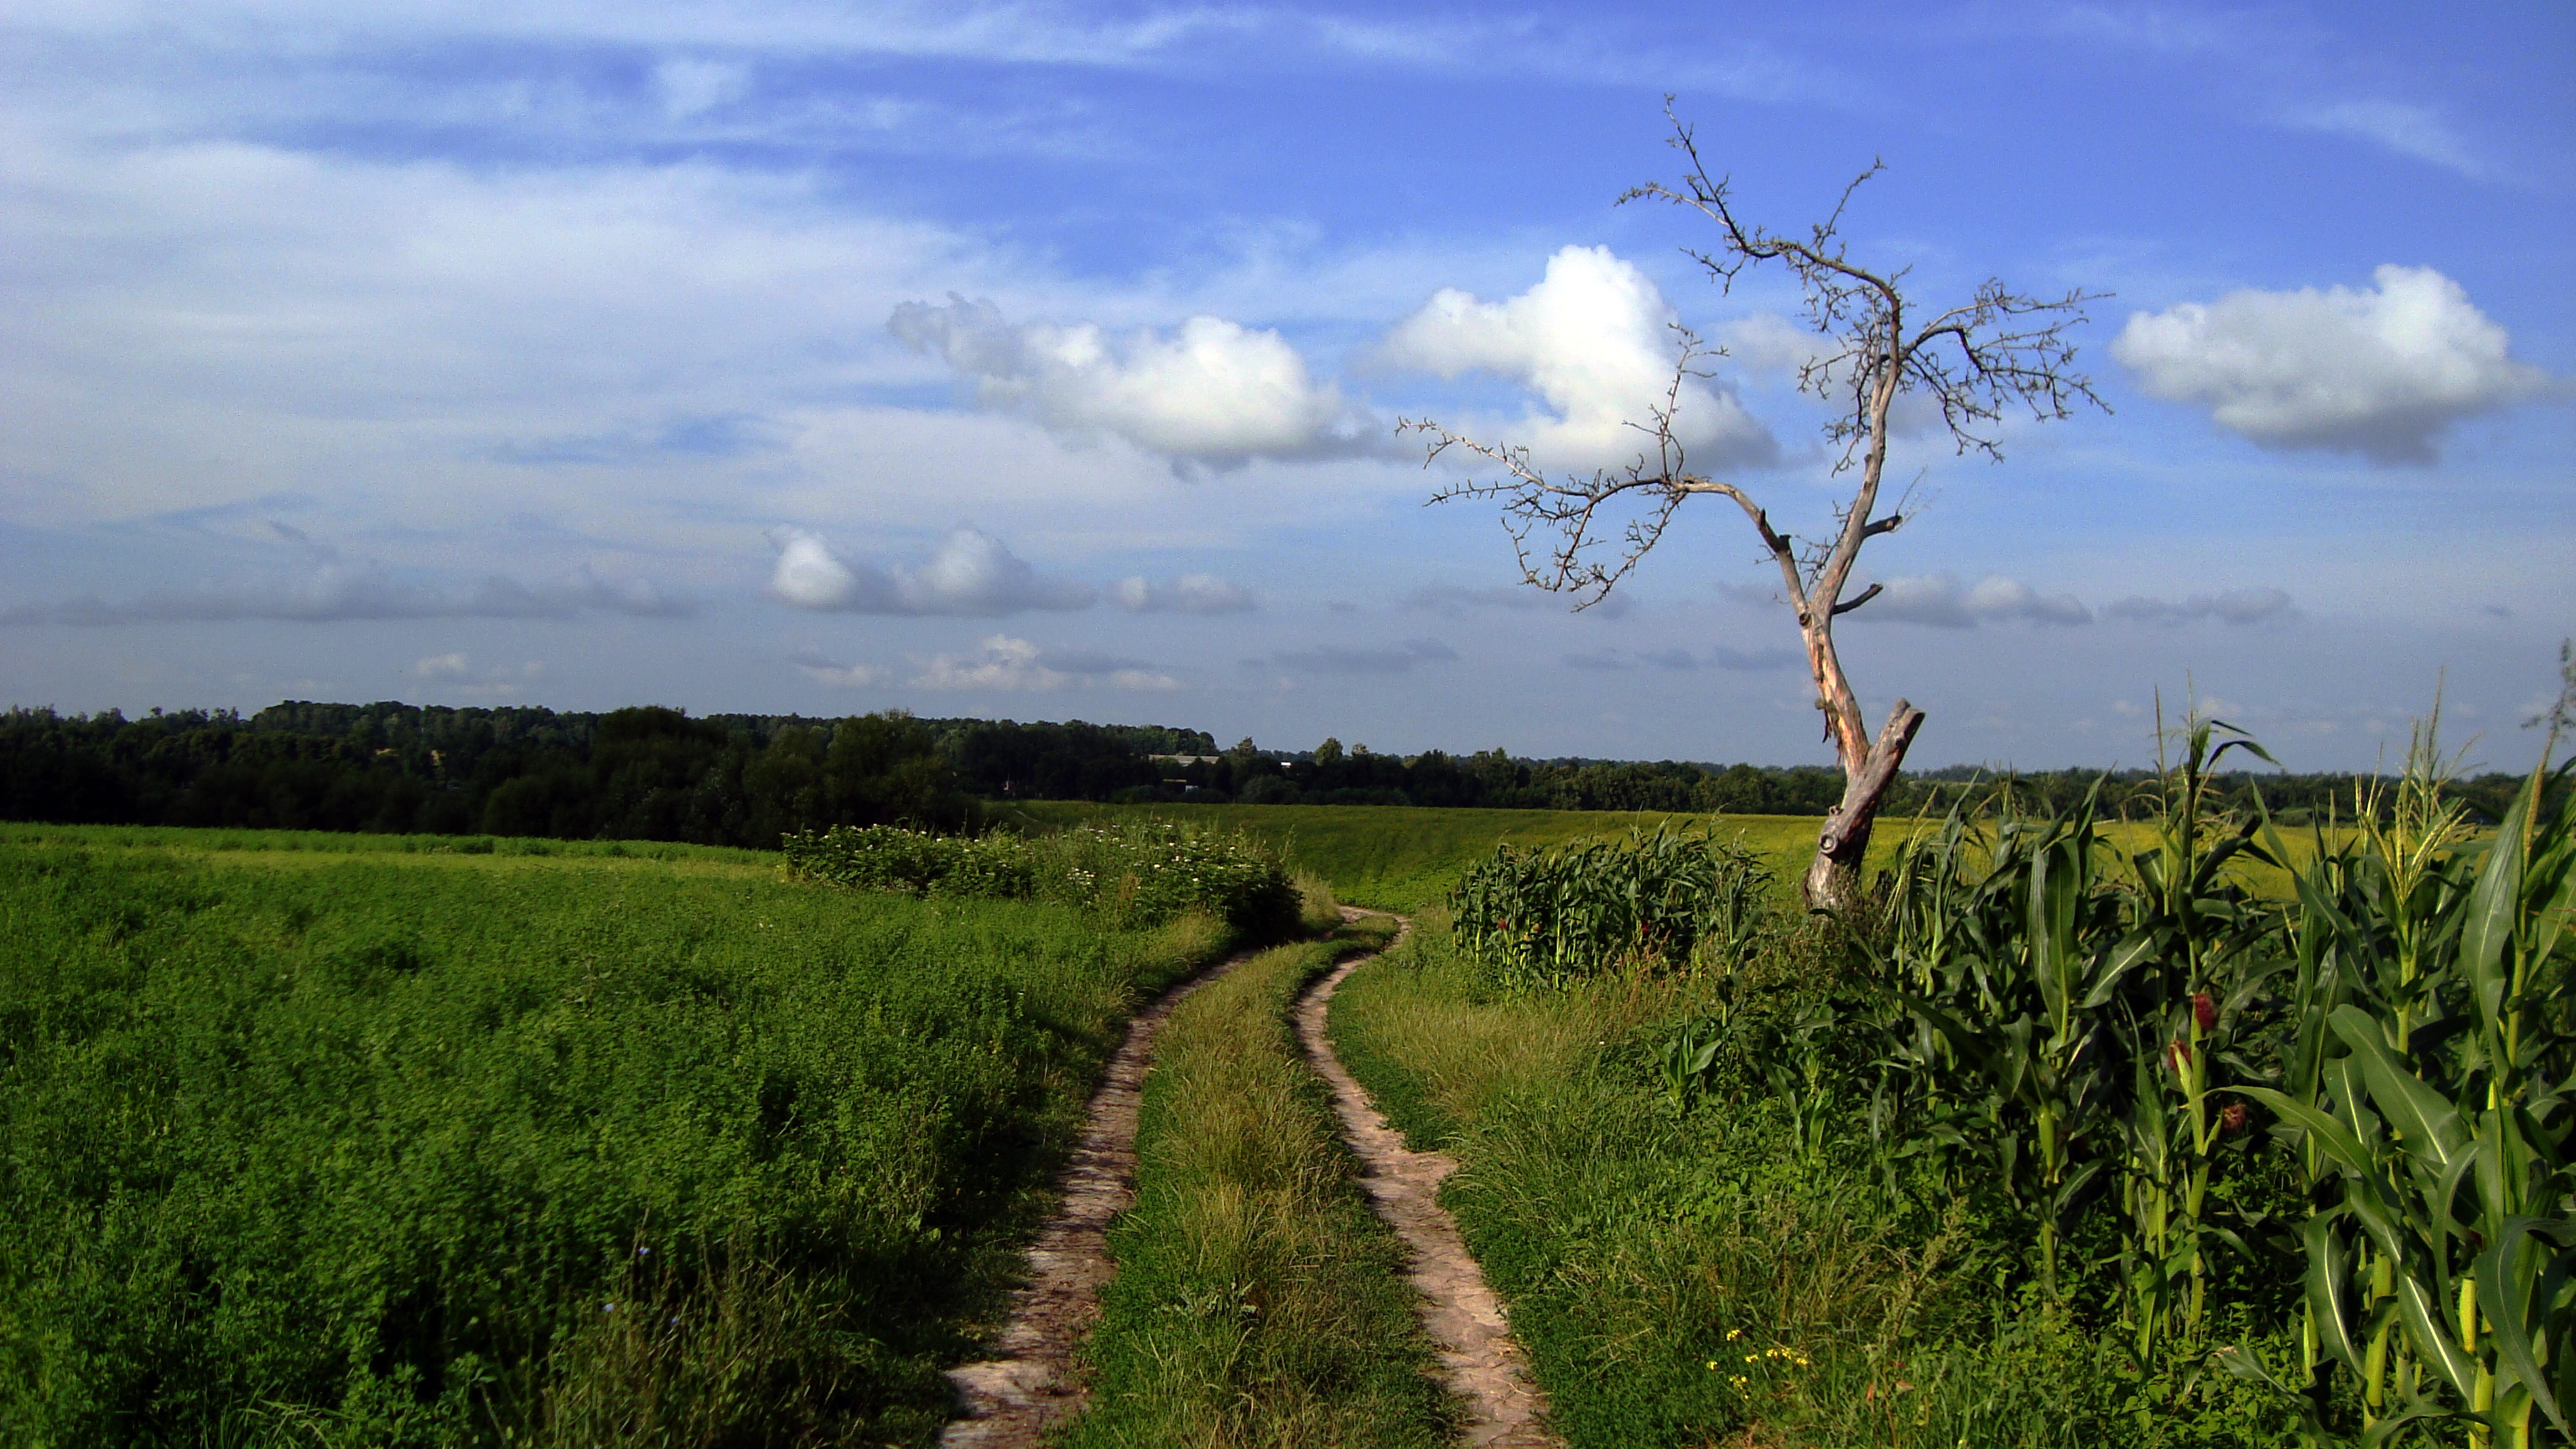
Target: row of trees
{"type": "Point", "coordinates": [635, 774]}
{"type": "Point", "coordinates": [658, 774]}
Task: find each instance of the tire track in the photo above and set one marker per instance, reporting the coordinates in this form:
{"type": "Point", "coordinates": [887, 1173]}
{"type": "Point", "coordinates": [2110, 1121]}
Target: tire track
{"type": "Point", "coordinates": [1482, 1362]}
{"type": "Point", "coordinates": [1010, 1402]}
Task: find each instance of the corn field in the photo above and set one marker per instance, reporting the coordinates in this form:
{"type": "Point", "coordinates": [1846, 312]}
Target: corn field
{"type": "Point", "coordinates": [2317, 1138]}
{"type": "Point", "coordinates": [1658, 899]}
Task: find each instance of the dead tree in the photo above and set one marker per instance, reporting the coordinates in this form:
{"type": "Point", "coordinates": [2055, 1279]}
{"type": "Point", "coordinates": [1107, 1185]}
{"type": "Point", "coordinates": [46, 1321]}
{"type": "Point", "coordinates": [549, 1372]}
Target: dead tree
{"type": "Point", "coordinates": [1999, 349]}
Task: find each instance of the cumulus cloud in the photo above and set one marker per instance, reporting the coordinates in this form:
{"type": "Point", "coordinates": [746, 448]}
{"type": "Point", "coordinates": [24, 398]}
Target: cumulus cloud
{"type": "Point", "coordinates": [334, 591]}
{"type": "Point", "coordinates": [1002, 662]}
{"type": "Point", "coordinates": [1188, 594]}
{"type": "Point", "coordinates": [2379, 371]}
{"type": "Point", "coordinates": [1343, 659]}
{"type": "Point", "coordinates": [970, 573]}
{"type": "Point", "coordinates": [1212, 391]}
{"type": "Point", "coordinates": [1593, 340]}
{"type": "Point", "coordinates": [2236, 606]}
{"type": "Point", "coordinates": [1942, 602]}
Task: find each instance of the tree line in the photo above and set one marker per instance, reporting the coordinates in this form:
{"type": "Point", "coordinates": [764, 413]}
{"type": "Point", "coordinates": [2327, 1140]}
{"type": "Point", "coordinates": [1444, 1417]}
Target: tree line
{"type": "Point", "coordinates": [651, 773]}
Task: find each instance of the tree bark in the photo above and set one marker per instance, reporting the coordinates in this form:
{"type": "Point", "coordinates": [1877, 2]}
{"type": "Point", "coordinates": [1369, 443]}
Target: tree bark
{"type": "Point", "coordinates": [1833, 880]}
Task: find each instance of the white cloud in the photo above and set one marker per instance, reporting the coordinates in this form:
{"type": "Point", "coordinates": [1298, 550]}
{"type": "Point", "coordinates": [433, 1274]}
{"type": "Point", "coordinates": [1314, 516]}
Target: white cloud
{"type": "Point", "coordinates": [1940, 601]}
{"type": "Point", "coordinates": [335, 592]}
{"type": "Point", "coordinates": [1006, 663]}
{"type": "Point", "coordinates": [2408, 130]}
{"type": "Point", "coordinates": [1212, 392]}
{"type": "Point", "coordinates": [1188, 594]}
{"type": "Point", "coordinates": [1593, 340]}
{"type": "Point", "coordinates": [1766, 342]}
{"type": "Point", "coordinates": [2378, 371]}
{"type": "Point", "coordinates": [2235, 606]}
{"type": "Point", "coordinates": [971, 573]}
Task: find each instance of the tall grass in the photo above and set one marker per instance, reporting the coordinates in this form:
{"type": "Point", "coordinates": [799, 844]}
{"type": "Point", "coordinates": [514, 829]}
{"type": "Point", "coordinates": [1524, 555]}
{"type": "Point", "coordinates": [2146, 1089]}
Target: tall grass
{"type": "Point", "coordinates": [378, 1152]}
{"type": "Point", "coordinates": [1258, 1301]}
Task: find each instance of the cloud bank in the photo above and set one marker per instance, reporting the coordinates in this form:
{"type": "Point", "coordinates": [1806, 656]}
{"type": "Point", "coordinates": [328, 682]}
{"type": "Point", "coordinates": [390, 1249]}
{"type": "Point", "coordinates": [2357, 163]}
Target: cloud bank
{"type": "Point", "coordinates": [1006, 663]}
{"type": "Point", "coordinates": [1593, 340]}
{"type": "Point", "coordinates": [969, 574]}
{"type": "Point", "coordinates": [1942, 602]}
{"type": "Point", "coordinates": [2379, 371]}
{"type": "Point", "coordinates": [2236, 606]}
{"type": "Point", "coordinates": [1212, 391]}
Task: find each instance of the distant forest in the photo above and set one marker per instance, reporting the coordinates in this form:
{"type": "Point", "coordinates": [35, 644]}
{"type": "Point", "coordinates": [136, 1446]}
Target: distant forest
{"type": "Point", "coordinates": [659, 774]}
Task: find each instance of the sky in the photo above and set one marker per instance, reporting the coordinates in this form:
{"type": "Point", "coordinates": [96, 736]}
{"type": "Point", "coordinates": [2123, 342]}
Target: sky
{"type": "Point", "coordinates": [1046, 361]}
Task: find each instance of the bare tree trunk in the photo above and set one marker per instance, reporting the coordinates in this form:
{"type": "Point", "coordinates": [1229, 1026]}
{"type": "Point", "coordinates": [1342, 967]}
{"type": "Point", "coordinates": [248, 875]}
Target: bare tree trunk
{"type": "Point", "coordinates": [1833, 880]}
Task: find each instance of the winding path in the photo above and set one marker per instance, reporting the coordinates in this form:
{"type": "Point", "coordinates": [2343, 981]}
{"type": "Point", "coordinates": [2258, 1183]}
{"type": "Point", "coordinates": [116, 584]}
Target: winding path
{"type": "Point", "coordinates": [1483, 1363]}
{"type": "Point", "coordinates": [1011, 1402]}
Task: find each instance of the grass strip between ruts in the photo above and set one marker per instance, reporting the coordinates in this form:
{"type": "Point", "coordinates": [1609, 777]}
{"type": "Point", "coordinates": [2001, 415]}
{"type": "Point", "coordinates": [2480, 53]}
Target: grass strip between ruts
{"type": "Point", "coordinates": [1258, 1301]}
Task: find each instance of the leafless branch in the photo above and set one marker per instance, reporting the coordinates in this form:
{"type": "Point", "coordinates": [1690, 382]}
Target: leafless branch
{"type": "Point", "coordinates": [1997, 352]}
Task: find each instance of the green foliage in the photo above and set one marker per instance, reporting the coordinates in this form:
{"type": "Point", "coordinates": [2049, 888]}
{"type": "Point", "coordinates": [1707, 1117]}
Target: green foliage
{"type": "Point", "coordinates": [414, 1149]}
{"type": "Point", "coordinates": [1258, 1301]}
{"type": "Point", "coordinates": [1407, 858]}
{"type": "Point", "coordinates": [1132, 872]}
{"type": "Point", "coordinates": [2055, 1030]}
{"type": "Point", "coordinates": [1655, 901]}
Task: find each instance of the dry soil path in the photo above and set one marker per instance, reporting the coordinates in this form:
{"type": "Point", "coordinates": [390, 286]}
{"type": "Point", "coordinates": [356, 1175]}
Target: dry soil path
{"type": "Point", "coordinates": [1010, 1402]}
{"type": "Point", "coordinates": [1481, 1360]}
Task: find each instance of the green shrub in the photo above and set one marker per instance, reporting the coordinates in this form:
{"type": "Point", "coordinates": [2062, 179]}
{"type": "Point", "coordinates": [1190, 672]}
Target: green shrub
{"type": "Point", "coordinates": [1132, 872]}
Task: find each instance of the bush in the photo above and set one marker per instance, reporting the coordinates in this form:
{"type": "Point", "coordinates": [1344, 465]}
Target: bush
{"type": "Point", "coordinates": [1134, 873]}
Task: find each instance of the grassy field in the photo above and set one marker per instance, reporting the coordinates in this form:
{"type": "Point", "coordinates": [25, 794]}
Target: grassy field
{"type": "Point", "coordinates": [1258, 1301]}
{"type": "Point", "coordinates": [352, 1141]}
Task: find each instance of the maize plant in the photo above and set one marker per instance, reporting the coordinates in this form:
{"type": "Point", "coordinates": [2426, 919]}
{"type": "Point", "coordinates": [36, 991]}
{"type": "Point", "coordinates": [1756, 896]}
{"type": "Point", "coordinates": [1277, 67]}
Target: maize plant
{"type": "Point", "coordinates": [1659, 899]}
{"type": "Point", "coordinates": [2434, 1119]}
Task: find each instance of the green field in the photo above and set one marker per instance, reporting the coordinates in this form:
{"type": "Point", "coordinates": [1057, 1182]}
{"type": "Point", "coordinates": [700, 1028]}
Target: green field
{"type": "Point", "coordinates": [334, 1140]}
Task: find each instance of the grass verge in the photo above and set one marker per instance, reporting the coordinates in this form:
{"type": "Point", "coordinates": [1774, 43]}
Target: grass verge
{"type": "Point", "coordinates": [1258, 1301]}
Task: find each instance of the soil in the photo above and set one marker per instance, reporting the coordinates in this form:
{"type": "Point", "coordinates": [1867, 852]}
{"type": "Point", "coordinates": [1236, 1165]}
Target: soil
{"type": "Point", "coordinates": [1483, 1364]}
{"type": "Point", "coordinates": [1010, 1402]}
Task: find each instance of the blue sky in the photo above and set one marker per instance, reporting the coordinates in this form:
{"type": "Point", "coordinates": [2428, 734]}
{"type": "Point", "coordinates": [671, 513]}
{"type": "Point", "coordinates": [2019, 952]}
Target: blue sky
{"type": "Point", "coordinates": [1043, 361]}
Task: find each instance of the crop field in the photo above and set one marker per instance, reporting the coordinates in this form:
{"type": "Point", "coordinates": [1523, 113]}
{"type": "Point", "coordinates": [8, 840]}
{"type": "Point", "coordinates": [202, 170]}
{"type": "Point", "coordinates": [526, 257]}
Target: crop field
{"type": "Point", "coordinates": [1405, 857]}
{"type": "Point", "coordinates": [2076, 1144]}
{"type": "Point", "coordinates": [356, 1141]}
{"type": "Point", "coordinates": [1402, 857]}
